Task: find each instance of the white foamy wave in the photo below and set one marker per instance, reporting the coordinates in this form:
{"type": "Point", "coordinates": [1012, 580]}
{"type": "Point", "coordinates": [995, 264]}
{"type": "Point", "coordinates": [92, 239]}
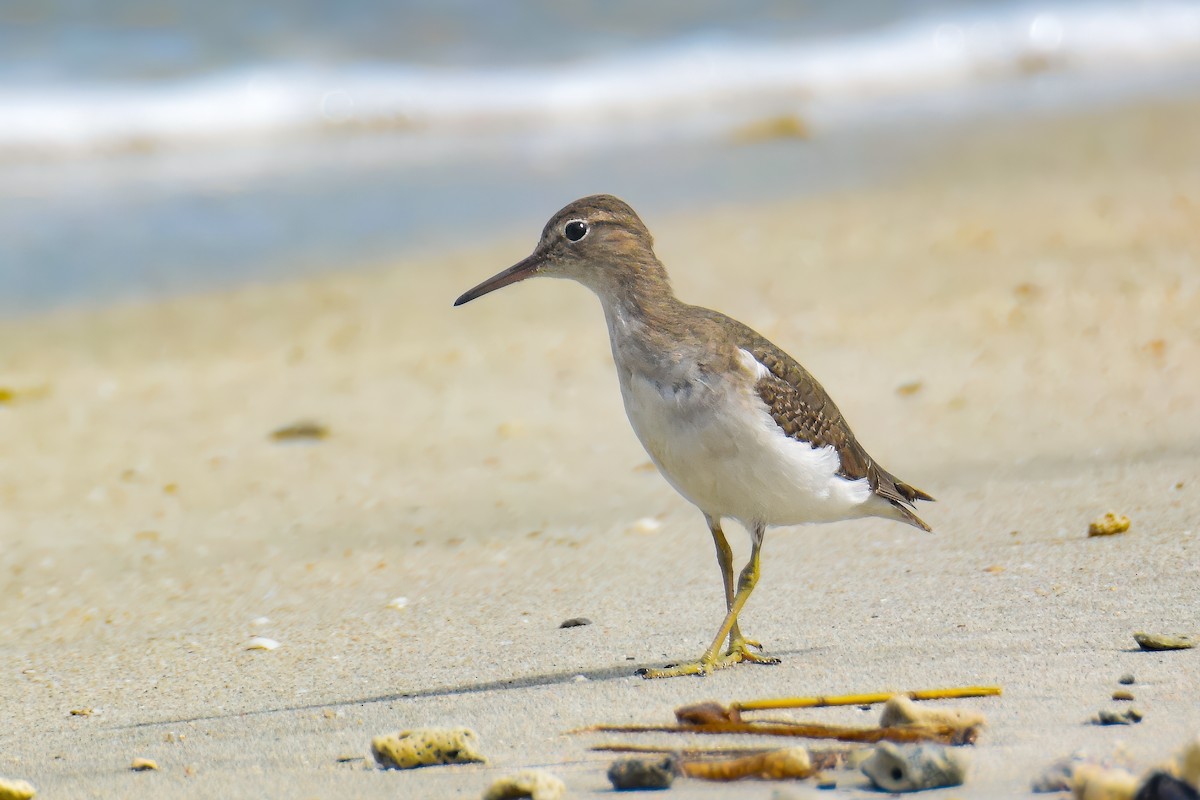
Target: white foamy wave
{"type": "Point", "coordinates": [675, 89]}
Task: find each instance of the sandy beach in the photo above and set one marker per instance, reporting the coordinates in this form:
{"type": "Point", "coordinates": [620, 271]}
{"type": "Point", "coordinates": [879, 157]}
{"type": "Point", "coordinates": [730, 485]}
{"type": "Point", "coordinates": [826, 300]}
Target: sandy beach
{"type": "Point", "coordinates": [1013, 327]}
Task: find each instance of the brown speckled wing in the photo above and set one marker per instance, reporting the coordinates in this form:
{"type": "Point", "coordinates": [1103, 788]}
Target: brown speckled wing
{"type": "Point", "coordinates": [804, 411]}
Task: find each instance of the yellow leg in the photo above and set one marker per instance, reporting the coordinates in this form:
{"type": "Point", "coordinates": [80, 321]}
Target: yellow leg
{"type": "Point", "coordinates": [725, 560]}
{"type": "Point", "coordinates": [739, 648]}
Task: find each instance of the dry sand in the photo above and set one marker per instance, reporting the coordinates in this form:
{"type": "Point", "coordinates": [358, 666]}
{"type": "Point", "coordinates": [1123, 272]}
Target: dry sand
{"type": "Point", "coordinates": [1037, 291]}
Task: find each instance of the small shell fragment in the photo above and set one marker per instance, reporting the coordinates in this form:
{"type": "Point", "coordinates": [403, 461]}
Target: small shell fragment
{"type": "Point", "coordinates": [423, 747]}
{"type": "Point", "coordinates": [1122, 695]}
{"type": "Point", "coordinates": [143, 764]}
{"type": "Point", "coordinates": [1159, 641]}
{"type": "Point", "coordinates": [16, 790]}
{"type": "Point", "coordinates": [398, 603]}
{"type": "Point", "coordinates": [82, 712]}
{"type": "Point", "coordinates": [893, 768]}
{"type": "Point", "coordinates": [261, 643]}
{"type": "Point", "coordinates": [1109, 525]}
{"type": "Point", "coordinates": [647, 525]}
{"type": "Point", "coordinates": [529, 783]}
{"type": "Point", "coordinates": [629, 774]}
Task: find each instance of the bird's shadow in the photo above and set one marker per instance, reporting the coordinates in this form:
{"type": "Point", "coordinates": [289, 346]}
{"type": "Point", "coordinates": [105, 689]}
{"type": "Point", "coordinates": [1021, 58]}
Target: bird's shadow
{"type": "Point", "coordinates": [609, 673]}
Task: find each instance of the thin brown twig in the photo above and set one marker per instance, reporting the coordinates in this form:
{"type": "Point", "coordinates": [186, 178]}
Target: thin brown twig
{"type": "Point", "coordinates": [944, 734]}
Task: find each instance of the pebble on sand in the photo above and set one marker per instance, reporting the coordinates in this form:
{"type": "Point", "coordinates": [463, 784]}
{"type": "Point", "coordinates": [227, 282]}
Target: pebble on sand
{"type": "Point", "coordinates": [631, 774]}
{"type": "Point", "coordinates": [16, 790]}
{"type": "Point", "coordinates": [1128, 716]}
{"type": "Point", "coordinates": [300, 430]}
{"type": "Point", "coordinates": [1163, 786]}
{"type": "Point", "coordinates": [1160, 641]}
{"type": "Point", "coordinates": [423, 747]}
{"type": "Point", "coordinates": [575, 622]}
{"type": "Point", "coordinates": [893, 768]}
{"type": "Point", "coordinates": [1108, 525]}
{"type": "Point", "coordinates": [529, 783]}
{"type": "Point", "coordinates": [143, 764]}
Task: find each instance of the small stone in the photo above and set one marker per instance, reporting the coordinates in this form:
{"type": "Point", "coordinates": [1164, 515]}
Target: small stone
{"type": "Point", "coordinates": [1059, 776]}
{"type": "Point", "coordinates": [530, 783]}
{"type": "Point", "coordinates": [1109, 525]}
{"type": "Point", "coordinates": [1128, 716]}
{"type": "Point", "coordinates": [261, 643]}
{"type": "Point", "coordinates": [82, 712]}
{"type": "Point", "coordinates": [1127, 679]}
{"type": "Point", "coordinates": [1159, 641]}
{"type": "Point", "coordinates": [575, 622]}
{"type": "Point", "coordinates": [893, 768]}
{"type": "Point", "coordinates": [1161, 786]}
{"type": "Point", "coordinates": [629, 774]}
{"type": "Point", "coordinates": [398, 603]}
{"type": "Point", "coordinates": [143, 765]}
{"type": "Point", "coordinates": [299, 431]}
{"type": "Point", "coordinates": [1122, 695]}
{"type": "Point", "coordinates": [422, 747]}
{"type": "Point", "coordinates": [16, 790]}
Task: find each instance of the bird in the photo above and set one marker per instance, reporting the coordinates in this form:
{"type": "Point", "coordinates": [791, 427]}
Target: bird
{"type": "Point", "coordinates": [737, 426]}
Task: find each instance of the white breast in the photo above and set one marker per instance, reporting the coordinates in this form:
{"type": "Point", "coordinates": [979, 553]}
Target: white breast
{"type": "Point", "coordinates": [715, 441]}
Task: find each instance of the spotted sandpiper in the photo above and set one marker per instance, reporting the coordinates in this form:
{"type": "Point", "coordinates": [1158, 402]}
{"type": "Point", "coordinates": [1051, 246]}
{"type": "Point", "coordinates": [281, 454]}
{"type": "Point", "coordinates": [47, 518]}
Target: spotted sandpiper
{"type": "Point", "coordinates": [735, 424]}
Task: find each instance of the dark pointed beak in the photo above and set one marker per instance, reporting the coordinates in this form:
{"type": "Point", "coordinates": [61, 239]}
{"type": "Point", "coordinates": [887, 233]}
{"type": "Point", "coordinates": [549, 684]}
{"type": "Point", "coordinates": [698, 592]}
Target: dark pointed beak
{"type": "Point", "coordinates": [517, 272]}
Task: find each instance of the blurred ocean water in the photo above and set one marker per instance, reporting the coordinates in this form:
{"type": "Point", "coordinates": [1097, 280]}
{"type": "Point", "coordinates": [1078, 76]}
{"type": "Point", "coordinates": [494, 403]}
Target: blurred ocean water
{"type": "Point", "coordinates": [150, 147]}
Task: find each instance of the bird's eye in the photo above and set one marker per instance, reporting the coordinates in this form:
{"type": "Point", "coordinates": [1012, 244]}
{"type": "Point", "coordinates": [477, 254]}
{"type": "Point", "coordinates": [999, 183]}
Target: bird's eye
{"type": "Point", "coordinates": [575, 230]}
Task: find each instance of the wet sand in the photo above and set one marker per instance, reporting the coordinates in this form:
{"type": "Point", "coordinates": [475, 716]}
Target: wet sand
{"type": "Point", "coordinates": [1015, 329]}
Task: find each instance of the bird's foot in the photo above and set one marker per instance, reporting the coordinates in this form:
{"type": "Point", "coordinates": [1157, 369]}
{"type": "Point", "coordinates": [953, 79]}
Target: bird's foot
{"type": "Point", "coordinates": [742, 650]}
{"type": "Point", "coordinates": [739, 652]}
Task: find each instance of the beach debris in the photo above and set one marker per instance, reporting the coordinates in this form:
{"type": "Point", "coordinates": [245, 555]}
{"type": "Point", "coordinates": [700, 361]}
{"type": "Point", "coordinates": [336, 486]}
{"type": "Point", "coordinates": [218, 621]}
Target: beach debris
{"type": "Point", "coordinates": [1160, 641]}
{"type": "Point", "coordinates": [1128, 716]}
{"type": "Point", "coordinates": [1108, 525]}
{"type": "Point", "coordinates": [900, 711]}
{"type": "Point", "coordinates": [1122, 695]}
{"type": "Point", "coordinates": [260, 643]}
{"type": "Point", "coordinates": [575, 622]}
{"type": "Point", "coordinates": [913, 769]}
{"type": "Point", "coordinates": [1186, 763]}
{"type": "Point", "coordinates": [1164, 786]}
{"type": "Point", "coordinates": [82, 712]}
{"type": "Point", "coordinates": [398, 603]}
{"type": "Point", "coordinates": [631, 774]}
{"type": "Point", "coordinates": [528, 783]}
{"type": "Point", "coordinates": [1097, 782]}
{"type": "Point", "coordinates": [143, 765]}
{"type": "Point", "coordinates": [16, 790]}
{"type": "Point", "coordinates": [301, 430]}
{"type": "Point", "coordinates": [786, 763]}
{"type": "Point", "coordinates": [824, 701]}
{"type": "Point", "coordinates": [910, 388]}
{"type": "Point", "coordinates": [422, 747]}
{"type": "Point", "coordinates": [1127, 679]}
{"type": "Point", "coordinates": [713, 718]}
{"type": "Point", "coordinates": [783, 126]}
{"type": "Point", "coordinates": [1059, 776]}
{"type": "Point", "coordinates": [706, 713]}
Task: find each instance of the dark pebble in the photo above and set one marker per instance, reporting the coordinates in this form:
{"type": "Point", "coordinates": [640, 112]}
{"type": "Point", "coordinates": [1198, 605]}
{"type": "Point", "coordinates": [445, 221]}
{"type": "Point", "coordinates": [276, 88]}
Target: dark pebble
{"type": "Point", "coordinates": [1161, 786]}
{"type": "Point", "coordinates": [1126, 679]}
{"type": "Point", "coordinates": [575, 622]}
{"type": "Point", "coordinates": [629, 774]}
{"type": "Point", "coordinates": [1129, 716]}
